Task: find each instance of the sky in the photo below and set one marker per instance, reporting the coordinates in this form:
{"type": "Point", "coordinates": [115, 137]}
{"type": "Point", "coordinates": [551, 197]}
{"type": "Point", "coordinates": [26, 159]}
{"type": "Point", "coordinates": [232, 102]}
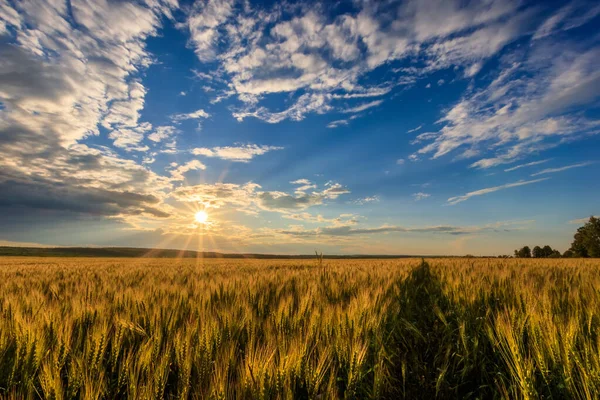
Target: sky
{"type": "Point", "coordinates": [349, 127]}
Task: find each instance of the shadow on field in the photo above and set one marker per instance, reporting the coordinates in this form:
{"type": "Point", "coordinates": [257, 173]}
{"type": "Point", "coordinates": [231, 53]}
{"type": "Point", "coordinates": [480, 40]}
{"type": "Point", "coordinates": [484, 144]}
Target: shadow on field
{"type": "Point", "coordinates": [430, 354]}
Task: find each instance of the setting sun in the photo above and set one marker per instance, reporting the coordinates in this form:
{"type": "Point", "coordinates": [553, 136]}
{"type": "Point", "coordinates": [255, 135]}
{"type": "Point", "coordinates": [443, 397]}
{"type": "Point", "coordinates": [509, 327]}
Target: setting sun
{"type": "Point", "coordinates": [201, 216]}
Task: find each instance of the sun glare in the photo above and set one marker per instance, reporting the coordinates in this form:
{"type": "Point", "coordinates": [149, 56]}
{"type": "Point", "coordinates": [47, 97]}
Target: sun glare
{"type": "Point", "coordinates": [201, 216]}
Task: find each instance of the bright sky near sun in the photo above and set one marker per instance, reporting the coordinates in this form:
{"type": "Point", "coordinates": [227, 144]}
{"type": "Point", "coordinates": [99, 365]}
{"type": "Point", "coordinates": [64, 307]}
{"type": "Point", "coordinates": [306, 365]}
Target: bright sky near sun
{"type": "Point", "coordinates": [410, 127]}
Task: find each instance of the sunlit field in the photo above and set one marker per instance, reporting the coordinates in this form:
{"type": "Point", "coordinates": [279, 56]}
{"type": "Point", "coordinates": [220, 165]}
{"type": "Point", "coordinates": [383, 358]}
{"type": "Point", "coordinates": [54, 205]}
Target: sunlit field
{"type": "Point", "coordinates": [278, 329]}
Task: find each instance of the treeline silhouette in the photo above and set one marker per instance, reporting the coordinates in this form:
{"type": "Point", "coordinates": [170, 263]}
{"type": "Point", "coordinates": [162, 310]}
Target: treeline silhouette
{"type": "Point", "coordinates": [586, 243]}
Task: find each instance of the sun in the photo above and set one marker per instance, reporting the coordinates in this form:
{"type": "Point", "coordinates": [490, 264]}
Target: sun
{"type": "Point", "coordinates": [201, 216]}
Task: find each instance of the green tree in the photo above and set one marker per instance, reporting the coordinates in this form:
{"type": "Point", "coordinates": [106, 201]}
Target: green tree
{"type": "Point", "coordinates": [537, 252]}
{"type": "Point", "coordinates": [568, 254]}
{"type": "Point", "coordinates": [547, 251]}
{"type": "Point", "coordinates": [586, 241]}
{"type": "Point", "coordinates": [555, 254]}
{"type": "Point", "coordinates": [524, 252]}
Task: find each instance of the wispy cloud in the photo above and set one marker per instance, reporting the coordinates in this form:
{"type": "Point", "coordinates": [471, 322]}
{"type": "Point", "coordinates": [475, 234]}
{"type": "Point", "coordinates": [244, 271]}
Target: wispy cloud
{"type": "Point", "coordinates": [560, 169]}
{"type": "Point", "coordinates": [338, 123]}
{"type": "Point", "coordinates": [528, 107]}
{"type": "Point", "coordinates": [363, 107]}
{"type": "Point", "coordinates": [582, 220]}
{"type": "Point", "coordinates": [415, 129]}
{"type": "Point", "coordinates": [481, 192]}
{"type": "Point", "coordinates": [568, 17]}
{"type": "Point", "coordinates": [198, 114]}
{"type": "Point", "coordinates": [307, 103]}
{"type": "Point", "coordinates": [341, 230]}
{"type": "Point", "coordinates": [366, 200]}
{"type": "Point", "coordinates": [420, 196]}
{"type": "Point", "coordinates": [530, 164]}
{"type": "Point", "coordinates": [303, 185]}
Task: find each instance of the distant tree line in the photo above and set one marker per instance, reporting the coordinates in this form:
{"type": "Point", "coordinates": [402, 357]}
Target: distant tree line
{"type": "Point", "coordinates": [586, 243]}
{"type": "Point", "coordinates": [537, 252]}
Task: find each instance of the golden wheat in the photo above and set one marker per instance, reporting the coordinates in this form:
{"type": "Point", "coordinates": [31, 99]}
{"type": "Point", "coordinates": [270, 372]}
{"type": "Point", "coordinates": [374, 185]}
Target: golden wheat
{"type": "Point", "coordinates": [280, 329]}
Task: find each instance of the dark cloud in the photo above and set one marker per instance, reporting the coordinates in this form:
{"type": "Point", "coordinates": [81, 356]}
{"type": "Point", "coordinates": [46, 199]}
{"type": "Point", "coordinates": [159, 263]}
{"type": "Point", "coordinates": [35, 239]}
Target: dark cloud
{"type": "Point", "coordinates": [38, 173]}
{"type": "Point", "coordinates": [23, 76]}
{"type": "Point", "coordinates": [39, 194]}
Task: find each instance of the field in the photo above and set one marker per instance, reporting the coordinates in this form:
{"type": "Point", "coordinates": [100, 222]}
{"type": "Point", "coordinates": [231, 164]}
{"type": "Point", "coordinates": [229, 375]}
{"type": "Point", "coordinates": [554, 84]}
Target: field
{"type": "Point", "coordinates": [96, 328]}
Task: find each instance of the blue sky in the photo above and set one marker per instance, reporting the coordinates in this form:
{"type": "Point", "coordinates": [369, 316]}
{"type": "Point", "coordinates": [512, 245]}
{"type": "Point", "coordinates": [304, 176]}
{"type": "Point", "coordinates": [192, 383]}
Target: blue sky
{"type": "Point", "coordinates": [388, 127]}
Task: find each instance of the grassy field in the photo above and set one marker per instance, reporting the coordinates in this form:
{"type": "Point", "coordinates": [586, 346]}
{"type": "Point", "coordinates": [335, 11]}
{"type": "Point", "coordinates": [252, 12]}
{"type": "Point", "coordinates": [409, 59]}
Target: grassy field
{"type": "Point", "coordinates": [278, 329]}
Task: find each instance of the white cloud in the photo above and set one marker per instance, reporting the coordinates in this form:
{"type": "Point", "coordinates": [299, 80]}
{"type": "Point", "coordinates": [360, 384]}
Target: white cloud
{"type": "Point", "coordinates": [302, 181]}
{"type": "Point", "coordinates": [560, 169]}
{"type": "Point", "coordinates": [162, 133]}
{"type": "Point", "coordinates": [526, 109]}
{"type": "Point", "coordinates": [218, 195]}
{"type": "Point", "coordinates": [198, 114]}
{"type": "Point", "coordinates": [250, 199]}
{"type": "Point", "coordinates": [71, 81]}
{"type": "Point", "coordinates": [66, 69]}
{"type": "Point", "coordinates": [304, 185]}
{"type": "Point", "coordinates": [307, 103]}
{"type": "Point", "coordinates": [480, 192]}
{"type": "Point", "coordinates": [300, 200]}
{"type": "Point", "coordinates": [242, 153]}
{"type": "Point", "coordinates": [420, 196]}
{"type": "Point", "coordinates": [203, 23]}
{"type": "Point", "coordinates": [262, 51]}
{"type": "Point", "coordinates": [178, 173]}
{"type": "Point", "coordinates": [366, 200]}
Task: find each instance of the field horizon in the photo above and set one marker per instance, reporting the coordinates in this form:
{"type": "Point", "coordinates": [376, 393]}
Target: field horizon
{"type": "Point", "coordinates": [145, 252]}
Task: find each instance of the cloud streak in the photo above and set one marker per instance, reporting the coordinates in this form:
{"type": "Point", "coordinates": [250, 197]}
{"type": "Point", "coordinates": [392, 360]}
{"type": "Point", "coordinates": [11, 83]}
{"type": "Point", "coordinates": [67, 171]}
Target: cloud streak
{"type": "Point", "coordinates": [481, 192]}
{"type": "Point", "coordinates": [560, 169]}
{"type": "Point", "coordinates": [351, 230]}
{"type": "Point", "coordinates": [529, 164]}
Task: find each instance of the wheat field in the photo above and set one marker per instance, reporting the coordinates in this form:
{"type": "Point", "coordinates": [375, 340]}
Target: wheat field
{"type": "Point", "coordinates": [85, 328]}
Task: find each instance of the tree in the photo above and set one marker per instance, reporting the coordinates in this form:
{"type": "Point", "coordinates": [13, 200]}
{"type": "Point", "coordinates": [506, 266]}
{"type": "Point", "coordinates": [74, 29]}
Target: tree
{"type": "Point", "coordinates": [524, 252]}
{"type": "Point", "coordinates": [547, 251]}
{"type": "Point", "coordinates": [586, 241]}
{"type": "Point", "coordinates": [555, 254]}
{"type": "Point", "coordinates": [537, 252]}
{"type": "Point", "coordinates": [568, 254]}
